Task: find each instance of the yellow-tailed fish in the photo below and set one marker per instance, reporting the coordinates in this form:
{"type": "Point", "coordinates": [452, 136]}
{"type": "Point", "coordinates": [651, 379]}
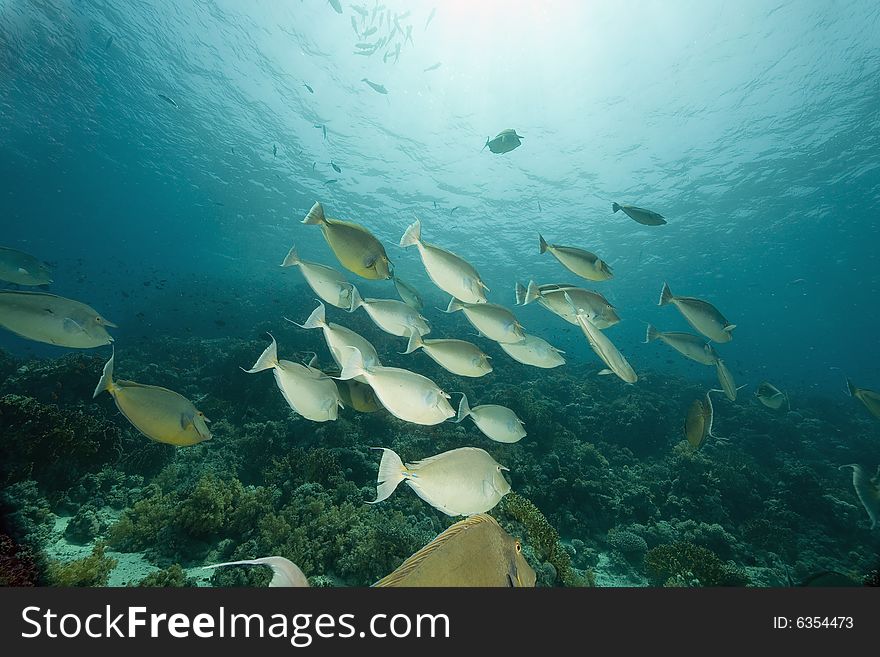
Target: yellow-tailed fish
{"type": "Point", "coordinates": [451, 273]}
{"type": "Point", "coordinates": [583, 263]}
{"type": "Point", "coordinates": [160, 414]}
{"type": "Point", "coordinates": [496, 422]}
{"type": "Point", "coordinates": [407, 395]}
{"type": "Point", "coordinates": [603, 347]}
{"type": "Point", "coordinates": [869, 398]}
{"type": "Point", "coordinates": [408, 293]}
{"type": "Point", "coordinates": [534, 351]}
{"type": "Point", "coordinates": [698, 423]}
{"type": "Point", "coordinates": [700, 314]}
{"type": "Point", "coordinates": [691, 346]}
{"type": "Point", "coordinates": [22, 268]}
{"type": "Point", "coordinates": [771, 396]}
{"type": "Point", "coordinates": [390, 315]}
{"type": "Point", "coordinates": [460, 482]}
{"type": "Point", "coordinates": [284, 572]}
{"type": "Point", "coordinates": [474, 552]}
{"type": "Point", "coordinates": [552, 297]}
{"type": "Point", "coordinates": [641, 215]}
{"type": "Point", "coordinates": [325, 281]}
{"type": "Point", "coordinates": [491, 320]}
{"type": "Point", "coordinates": [357, 249]}
{"type": "Point", "coordinates": [867, 490]}
{"type": "Point", "coordinates": [339, 337]}
{"type": "Point", "coordinates": [456, 356]}
{"type": "Point", "coordinates": [52, 319]}
{"type": "Point", "coordinates": [307, 390]}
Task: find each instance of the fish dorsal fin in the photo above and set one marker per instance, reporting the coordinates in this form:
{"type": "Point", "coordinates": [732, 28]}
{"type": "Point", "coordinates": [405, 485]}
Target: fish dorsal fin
{"type": "Point", "coordinates": [427, 461]}
{"type": "Point", "coordinates": [413, 562]}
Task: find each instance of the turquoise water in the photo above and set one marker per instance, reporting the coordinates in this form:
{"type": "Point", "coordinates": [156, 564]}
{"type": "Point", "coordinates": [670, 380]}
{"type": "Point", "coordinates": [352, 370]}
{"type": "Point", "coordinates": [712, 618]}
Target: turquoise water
{"type": "Point", "coordinates": [753, 127]}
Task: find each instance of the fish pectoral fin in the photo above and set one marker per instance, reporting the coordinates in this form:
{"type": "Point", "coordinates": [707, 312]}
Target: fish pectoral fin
{"type": "Point", "coordinates": [186, 420]}
{"type": "Point", "coordinates": [71, 326]}
{"type": "Point", "coordinates": [370, 261]}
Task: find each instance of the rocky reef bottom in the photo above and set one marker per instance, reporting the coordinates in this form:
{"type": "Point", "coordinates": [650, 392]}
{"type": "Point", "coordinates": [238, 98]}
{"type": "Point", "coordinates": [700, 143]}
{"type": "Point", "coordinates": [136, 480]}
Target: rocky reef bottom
{"type": "Point", "coordinates": [606, 490]}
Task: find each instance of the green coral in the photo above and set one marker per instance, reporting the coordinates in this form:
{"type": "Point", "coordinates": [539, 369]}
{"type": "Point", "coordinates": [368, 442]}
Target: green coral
{"type": "Point", "coordinates": [673, 563]}
{"type": "Point", "coordinates": [172, 577]}
{"type": "Point", "coordinates": [93, 570]}
{"type": "Point", "coordinates": [542, 536]}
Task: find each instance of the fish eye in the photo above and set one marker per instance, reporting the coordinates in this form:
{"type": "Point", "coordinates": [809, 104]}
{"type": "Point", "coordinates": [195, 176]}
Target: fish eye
{"type": "Point", "coordinates": [518, 546]}
{"type": "Point", "coordinates": [98, 319]}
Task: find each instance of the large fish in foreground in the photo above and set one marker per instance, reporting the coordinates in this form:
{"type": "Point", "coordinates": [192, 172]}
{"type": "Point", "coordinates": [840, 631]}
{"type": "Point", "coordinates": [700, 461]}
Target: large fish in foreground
{"type": "Point", "coordinates": [700, 314]}
{"type": "Point", "coordinates": [23, 269]}
{"type": "Point", "coordinates": [869, 398]}
{"type": "Point", "coordinates": [460, 482]}
{"type": "Point", "coordinates": [867, 490]}
{"type": "Point", "coordinates": [698, 423]}
{"type": "Point", "coordinates": [474, 552]}
{"type": "Point", "coordinates": [52, 319]}
{"type": "Point", "coordinates": [356, 248]}
{"type": "Point", "coordinates": [603, 347]}
{"type": "Point", "coordinates": [451, 273]}
{"type": "Point", "coordinates": [160, 414]}
{"type": "Point", "coordinates": [552, 297]}
{"type": "Point", "coordinates": [496, 422]}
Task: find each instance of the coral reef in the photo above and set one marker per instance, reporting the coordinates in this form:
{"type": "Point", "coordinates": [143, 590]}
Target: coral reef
{"type": "Point", "coordinates": [173, 576]}
{"type": "Point", "coordinates": [93, 570]}
{"type": "Point", "coordinates": [18, 567]}
{"type": "Point", "coordinates": [686, 564]}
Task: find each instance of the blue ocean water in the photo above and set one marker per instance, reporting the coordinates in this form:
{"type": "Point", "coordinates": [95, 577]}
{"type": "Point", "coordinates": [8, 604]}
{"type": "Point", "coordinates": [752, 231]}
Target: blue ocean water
{"type": "Point", "coordinates": [752, 127]}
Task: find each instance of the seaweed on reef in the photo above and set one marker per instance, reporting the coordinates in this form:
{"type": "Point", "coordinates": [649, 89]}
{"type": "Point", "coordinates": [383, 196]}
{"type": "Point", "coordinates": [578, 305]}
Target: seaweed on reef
{"type": "Point", "coordinates": [686, 564]}
{"type": "Point", "coordinates": [93, 570]}
{"type": "Point", "coordinates": [18, 566]}
{"type": "Point", "coordinates": [68, 380]}
{"type": "Point", "coordinates": [543, 536]}
{"type": "Point", "coordinates": [171, 577]}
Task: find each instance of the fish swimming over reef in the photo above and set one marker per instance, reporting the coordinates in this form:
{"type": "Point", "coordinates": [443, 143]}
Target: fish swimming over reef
{"type": "Point", "coordinates": [392, 316]}
{"type": "Point", "coordinates": [552, 297]}
{"type": "Point", "coordinates": [496, 422]}
{"type": "Point", "coordinates": [604, 348]}
{"type": "Point", "coordinates": [460, 482]}
{"type": "Point", "coordinates": [691, 346]}
{"type": "Point", "coordinates": [533, 351]}
{"type": "Point", "coordinates": [771, 396]}
{"type": "Point", "coordinates": [867, 490]}
{"type": "Point", "coordinates": [355, 246]}
{"type": "Point", "coordinates": [583, 263]}
{"type": "Point", "coordinates": [698, 423]}
{"type": "Point", "coordinates": [474, 552]}
{"type": "Point", "coordinates": [284, 571]}
{"type": "Point", "coordinates": [160, 414]}
{"type": "Point", "coordinates": [408, 293]}
{"type": "Point", "coordinates": [456, 356]}
{"type": "Point", "coordinates": [54, 320]}
{"type": "Point", "coordinates": [869, 398]}
{"type": "Point", "coordinates": [23, 269]}
{"type": "Point", "coordinates": [339, 337]}
{"type": "Point", "coordinates": [325, 281]}
{"type": "Point", "coordinates": [491, 320]}
{"type": "Point", "coordinates": [700, 314]}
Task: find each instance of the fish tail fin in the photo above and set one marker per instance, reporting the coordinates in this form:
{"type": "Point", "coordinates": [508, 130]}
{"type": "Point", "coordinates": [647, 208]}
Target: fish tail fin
{"type": "Point", "coordinates": [354, 364]}
{"type": "Point", "coordinates": [106, 381]}
{"type": "Point", "coordinates": [415, 342]}
{"type": "Point", "coordinates": [849, 465]}
{"type": "Point", "coordinates": [356, 300]}
{"type": "Point", "coordinates": [412, 235]}
{"type": "Point", "coordinates": [532, 293]}
{"type": "Point", "coordinates": [484, 145]}
{"type": "Point", "coordinates": [665, 295]}
{"type": "Point", "coordinates": [520, 294]}
{"type": "Point", "coordinates": [463, 408]}
{"type": "Point", "coordinates": [291, 258]}
{"type": "Point", "coordinates": [851, 388]}
{"type": "Point", "coordinates": [454, 304]}
{"type": "Point", "coordinates": [315, 215]}
{"type": "Point", "coordinates": [542, 245]}
{"type": "Point", "coordinates": [317, 319]}
{"type": "Point", "coordinates": [615, 207]}
{"type": "Point", "coordinates": [267, 360]}
{"type": "Point", "coordinates": [391, 473]}
{"type": "Point", "coordinates": [652, 334]}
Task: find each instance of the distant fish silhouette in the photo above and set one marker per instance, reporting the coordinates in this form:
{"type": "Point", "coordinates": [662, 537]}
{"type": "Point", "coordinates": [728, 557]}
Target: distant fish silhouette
{"type": "Point", "coordinates": [435, 205]}
{"type": "Point", "coordinates": [311, 91]}
{"type": "Point", "coordinates": [109, 43]}
{"type": "Point", "coordinates": [335, 168]}
{"type": "Point", "coordinates": [331, 181]}
{"type": "Point", "coordinates": [433, 67]}
{"type": "Point", "coordinates": [274, 151]}
{"type": "Point", "coordinates": [376, 87]}
{"type": "Point", "coordinates": [323, 128]}
{"type": "Point", "coordinates": [454, 209]}
{"type": "Point", "coordinates": [168, 100]}
{"type": "Point", "coordinates": [336, 6]}
{"type": "Point", "coordinates": [430, 17]}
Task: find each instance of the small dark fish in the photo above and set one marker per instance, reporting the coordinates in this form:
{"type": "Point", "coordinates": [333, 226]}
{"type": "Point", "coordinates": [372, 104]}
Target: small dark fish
{"type": "Point", "coordinates": [219, 322]}
{"type": "Point", "coordinates": [331, 181]}
{"type": "Point", "coordinates": [168, 100]}
{"type": "Point", "coordinates": [435, 205]}
{"type": "Point", "coordinates": [376, 87]}
{"type": "Point", "coordinates": [539, 206]}
{"type": "Point", "coordinates": [313, 165]}
{"type": "Point", "coordinates": [433, 67]}
{"type": "Point", "coordinates": [454, 209]}
{"type": "Point", "coordinates": [109, 43]}
{"type": "Point", "coordinates": [125, 294]}
{"type": "Point", "coordinates": [336, 6]}
{"type": "Point", "coordinates": [311, 91]}
{"type": "Point", "coordinates": [430, 17]}
{"type": "Point", "coordinates": [335, 168]}
{"type": "Point", "coordinates": [323, 129]}
{"type": "Point", "coordinates": [274, 151]}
